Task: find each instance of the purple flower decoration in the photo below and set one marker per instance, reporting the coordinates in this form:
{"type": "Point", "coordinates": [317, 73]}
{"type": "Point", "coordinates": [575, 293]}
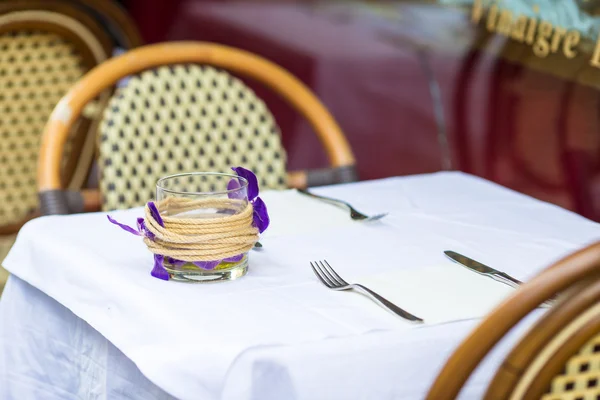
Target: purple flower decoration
{"type": "Point", "coordinates": [252, 181]}
{"type": "Point", "coordinates": [159, 270]}
{"type": "Point", "coordinates": [208, 265]}
{"type": "Point", "coordinates": [232, 187]}
{"type": "Point", "coordinates": [260, 214]}
{"type": "Point", "coordinates": [260, 219]}
{"type": "Point", "coordinates": [141, 227]}
{"type": "Point", "coordinates": [155, 214]}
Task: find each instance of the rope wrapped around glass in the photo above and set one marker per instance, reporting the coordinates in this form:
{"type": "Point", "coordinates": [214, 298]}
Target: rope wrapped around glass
{"type": "Point", "coordinates": [198, 235]}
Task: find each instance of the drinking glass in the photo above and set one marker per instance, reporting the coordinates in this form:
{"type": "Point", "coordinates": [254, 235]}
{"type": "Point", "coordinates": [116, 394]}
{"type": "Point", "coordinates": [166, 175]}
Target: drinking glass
{"type": "Point", "coordinates": [203, 195]}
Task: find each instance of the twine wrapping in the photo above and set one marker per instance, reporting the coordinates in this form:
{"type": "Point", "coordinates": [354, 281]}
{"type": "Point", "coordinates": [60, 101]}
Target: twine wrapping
{"type": "Point", "coordinates": [177, 239]}
{"type": "Point", "coordinates": [195, 239]}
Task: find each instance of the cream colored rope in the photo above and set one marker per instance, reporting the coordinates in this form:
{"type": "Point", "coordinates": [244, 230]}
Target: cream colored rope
{"type": "Point", "coordinates": [201, 239]}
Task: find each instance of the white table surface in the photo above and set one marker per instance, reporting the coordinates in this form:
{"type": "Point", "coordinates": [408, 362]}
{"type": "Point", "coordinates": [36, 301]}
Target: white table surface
{"type": "Point", "coordinates": [74, 342]}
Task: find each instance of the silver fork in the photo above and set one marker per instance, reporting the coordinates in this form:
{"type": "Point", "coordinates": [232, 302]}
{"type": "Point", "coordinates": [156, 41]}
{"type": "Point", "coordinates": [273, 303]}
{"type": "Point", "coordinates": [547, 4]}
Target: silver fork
{"type": "Point", "coordinates": [354, 213]}
{"type": "Point", "coordinates": [332, 280]}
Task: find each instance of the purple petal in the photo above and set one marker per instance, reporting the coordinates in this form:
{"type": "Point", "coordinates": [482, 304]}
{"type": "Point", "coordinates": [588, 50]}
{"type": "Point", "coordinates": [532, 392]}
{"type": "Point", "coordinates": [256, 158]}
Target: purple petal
{"type": "Point", "coordinates": [207, 264]}
{"type": "Point", "coordinates": [143, 230]}
{"type": "Point", "coordinates": [260, 215]}
{"type": "Point", "coordinates": [159, 270]}
{"type": "Point", "coordinates": [233, 185]}
{"type": "Point", "coordinates": [252, 181]}
{"type": "Point", "coordinates": [123, 226]}
{"type": "Point", "coordinates": [155, 214]}
{"type": "Point", "coordinates": [234, 258]}
{"type": "Point", "coordinates": [175, 262]}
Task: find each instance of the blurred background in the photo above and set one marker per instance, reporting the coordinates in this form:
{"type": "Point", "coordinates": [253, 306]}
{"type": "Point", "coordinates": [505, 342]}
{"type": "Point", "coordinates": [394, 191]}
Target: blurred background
{"type": "Point", "coordinates": [418, 87]}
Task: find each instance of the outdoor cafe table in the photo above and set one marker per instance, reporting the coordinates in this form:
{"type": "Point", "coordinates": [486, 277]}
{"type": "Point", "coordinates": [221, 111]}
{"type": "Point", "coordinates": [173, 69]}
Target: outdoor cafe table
{"type": "Point", "coordinates": [81, 317]}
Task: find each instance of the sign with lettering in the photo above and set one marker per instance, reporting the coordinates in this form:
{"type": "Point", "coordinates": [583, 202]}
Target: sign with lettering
{"type": "Point", "coordinates": [543, 36]}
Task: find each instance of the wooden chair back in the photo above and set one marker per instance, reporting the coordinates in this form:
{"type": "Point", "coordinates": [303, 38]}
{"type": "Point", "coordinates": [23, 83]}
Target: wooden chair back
{"type": "Point", "coordinates": [108, 14]}
{"type": "Point", "coordinates": [148, 69]}
{"type": "Point", "coordinates": [42, 54]}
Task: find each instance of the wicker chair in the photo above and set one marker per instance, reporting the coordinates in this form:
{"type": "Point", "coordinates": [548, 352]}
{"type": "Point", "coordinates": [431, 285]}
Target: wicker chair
{"type": "Point", "coordinates": [175, 115]}
{"type": "Point", "coordinates": [45, 47]}
{"type": "Point", "coordinates": [42, 53]}
{"type": "Point", "coordinates": [559, 357]}
{"type": "Point", "coordinates": [108, 14]}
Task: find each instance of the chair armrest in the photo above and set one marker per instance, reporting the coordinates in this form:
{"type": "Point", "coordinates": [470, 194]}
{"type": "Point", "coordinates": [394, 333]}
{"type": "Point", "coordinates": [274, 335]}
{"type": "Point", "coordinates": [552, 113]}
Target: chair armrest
{"type": "Point", "coordinates": [322, 177]}
{"type": "Point", "coordinates": [92, 201]}
{"type": "Point", "coordinates": [86, 200]}
{"type": "Point", "coordinates": [296, 179]}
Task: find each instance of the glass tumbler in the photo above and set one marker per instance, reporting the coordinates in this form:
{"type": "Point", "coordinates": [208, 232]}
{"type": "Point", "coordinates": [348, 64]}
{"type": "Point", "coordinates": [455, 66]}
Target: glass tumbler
{"type": "Point", "coordinates": [210, 191]}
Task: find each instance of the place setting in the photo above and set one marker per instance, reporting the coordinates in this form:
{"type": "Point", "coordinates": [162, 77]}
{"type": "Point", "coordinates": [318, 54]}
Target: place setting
{"type": "Point", "coordinates": [232, 230]}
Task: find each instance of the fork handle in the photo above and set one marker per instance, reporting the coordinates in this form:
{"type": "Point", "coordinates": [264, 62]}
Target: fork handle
{"type": "Point", "coordinates": [325, 198]}
{"type": "Point", "coordinates": [386, 303]}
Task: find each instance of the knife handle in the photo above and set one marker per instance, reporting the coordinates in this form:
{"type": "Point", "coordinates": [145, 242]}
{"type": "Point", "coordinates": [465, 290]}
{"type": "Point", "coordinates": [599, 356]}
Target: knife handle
{"type": "Point", "coordinates": [507, 279]}
{"type": "Point", "coordinates": [515, 283]}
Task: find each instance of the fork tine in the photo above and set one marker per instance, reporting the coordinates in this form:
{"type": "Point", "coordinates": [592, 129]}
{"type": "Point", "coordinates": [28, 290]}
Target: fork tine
{"type": "Point", "coordinates": [331, 277]}
{"type": "Point", "coordinates": [377, 217]}
{"type": "Point", "coordinates": [318, 273]}
{"type": "Point", "coordinates": [335, 274]}
{"type": "Point", "coordinates": [332, 282]}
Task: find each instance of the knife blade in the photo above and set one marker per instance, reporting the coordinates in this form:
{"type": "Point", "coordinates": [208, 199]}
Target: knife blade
{"type": "Point", "coordinates": [490, 272]}
{"type": "Point", "coordinates": [483, 269]}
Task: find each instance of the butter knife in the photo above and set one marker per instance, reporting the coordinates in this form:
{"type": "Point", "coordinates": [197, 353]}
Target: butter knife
{"type": "Point", "coordinates": [490, 272]}
{"type": "Point", "coordinates": [483, 269]}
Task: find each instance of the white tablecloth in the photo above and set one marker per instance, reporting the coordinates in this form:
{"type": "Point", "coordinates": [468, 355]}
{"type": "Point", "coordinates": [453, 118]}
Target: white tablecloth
{"type": "Point", "coordinates": [347, 351]}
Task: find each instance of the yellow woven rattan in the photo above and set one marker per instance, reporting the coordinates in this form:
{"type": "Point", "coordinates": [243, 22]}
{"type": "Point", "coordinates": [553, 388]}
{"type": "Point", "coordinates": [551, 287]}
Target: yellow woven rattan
{"type": "Point", "coordinates": [36, 70]}
{"type": "Point", "coordinates": [581, 378]}
{"type": "Point", "coordinates": [6, 242]}
{"type": "Point", "coordinates": [184, 118]}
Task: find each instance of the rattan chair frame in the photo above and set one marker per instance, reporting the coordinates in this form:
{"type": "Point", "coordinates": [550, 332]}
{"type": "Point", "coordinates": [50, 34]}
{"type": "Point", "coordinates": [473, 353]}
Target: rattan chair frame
{"type": "Point", "coordinates": [512, 372]}
{"type": "Point", "coordinates": [128, 36]}
{"type": "Point", "coordinates": [575, 278]}
{"type": "Point", "coordinates": [86, 35]}
{"type": "Point", "coordinates": [108, 14]}
{"type": "Point", "coordinates": [52, 196]}
{"type": "Point", "coordinates": [537, 378]}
